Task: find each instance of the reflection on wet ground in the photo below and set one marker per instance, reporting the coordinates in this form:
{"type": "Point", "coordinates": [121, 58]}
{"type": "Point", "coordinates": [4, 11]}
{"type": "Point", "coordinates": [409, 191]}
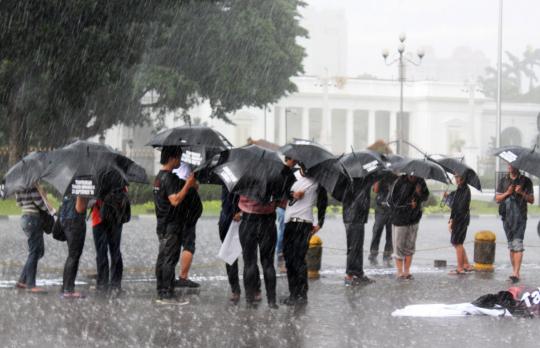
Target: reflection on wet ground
{"type": "Point", "coordinates": [335, 315]}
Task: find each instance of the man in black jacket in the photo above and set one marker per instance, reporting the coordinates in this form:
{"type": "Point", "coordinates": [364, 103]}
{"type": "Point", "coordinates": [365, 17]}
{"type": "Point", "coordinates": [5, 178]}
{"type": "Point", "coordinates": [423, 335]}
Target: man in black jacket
{"type": "Point", "coordinates": [406, 201]}
{"type": "Point", "coordinates": [355, 216]}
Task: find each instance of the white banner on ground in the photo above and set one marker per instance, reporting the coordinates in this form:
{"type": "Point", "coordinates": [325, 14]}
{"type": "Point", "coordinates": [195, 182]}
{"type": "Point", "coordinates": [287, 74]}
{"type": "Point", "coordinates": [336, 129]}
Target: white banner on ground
{"type": "Point", "coordinates": [231, 249]}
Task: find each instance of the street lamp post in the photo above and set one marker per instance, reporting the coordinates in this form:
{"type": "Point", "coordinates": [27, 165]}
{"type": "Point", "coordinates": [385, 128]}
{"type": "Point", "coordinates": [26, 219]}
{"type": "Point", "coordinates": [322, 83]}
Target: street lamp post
{"type": "Point", "coordinates": [402, 59]}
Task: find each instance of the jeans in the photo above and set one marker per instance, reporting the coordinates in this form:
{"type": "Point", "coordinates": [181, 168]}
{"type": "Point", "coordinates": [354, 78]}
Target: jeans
{"type": "Point", "coordinates": [258, 232]}
{"type": "Point", "coordinates": [382, 221]}
{"type": "Point", "coordinates": [107, 241]}
{"type": "Point", "coordinates": [295, 247]}
{"type": "Point", "coordinates": [31, 225]}
{"type": "Point", "coordinates": [355, 248]}
{"type": "Point", "coordinates": [75, 230]}
{"type": "Point", "coordinates": [280, 229]}
{"type": "Point", "coordinates": [170, 241]}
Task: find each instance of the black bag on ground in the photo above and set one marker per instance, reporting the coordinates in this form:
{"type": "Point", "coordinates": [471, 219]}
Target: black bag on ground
{"type": "Point", "coordinates": [115, 208]}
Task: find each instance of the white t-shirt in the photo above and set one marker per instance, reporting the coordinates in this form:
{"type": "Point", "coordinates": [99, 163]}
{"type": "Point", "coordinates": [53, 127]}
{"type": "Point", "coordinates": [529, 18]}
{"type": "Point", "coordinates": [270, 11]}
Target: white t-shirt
{"type": "Point", "coordinates": [302, 208]}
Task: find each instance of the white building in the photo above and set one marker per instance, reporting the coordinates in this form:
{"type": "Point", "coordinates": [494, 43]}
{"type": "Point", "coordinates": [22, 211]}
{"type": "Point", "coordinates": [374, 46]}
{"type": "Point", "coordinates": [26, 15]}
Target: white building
{"type": "Point", "coordinates": [439, 117]}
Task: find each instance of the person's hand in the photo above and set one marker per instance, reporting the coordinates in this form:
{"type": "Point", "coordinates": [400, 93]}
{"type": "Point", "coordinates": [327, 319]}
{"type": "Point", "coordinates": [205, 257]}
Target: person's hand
{"type": "Point", "coordinates": [510, 190]}
{"type": "Point", "coordinates": [191, 181]}
{"type": "Point", "coordinates": [419, 189]}
{"type": "Point", "coordinates": [237, 216]}
{"type": "Point", "coordinates": [298, 195]}
{"type": "Point", "coordinates": [445, 195]}
{"type": "Point", "coordinates": [413, 204]}
{"type": "Point", "coordinates": [450, 223]}
{"type": "Point", "coordinates": [519, 189]}
{"type": "Point", "coordinates": [315, 229]}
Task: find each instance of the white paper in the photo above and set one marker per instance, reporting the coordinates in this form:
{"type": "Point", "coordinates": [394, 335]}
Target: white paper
{"type": "Point", "coordinates": [231, 249]}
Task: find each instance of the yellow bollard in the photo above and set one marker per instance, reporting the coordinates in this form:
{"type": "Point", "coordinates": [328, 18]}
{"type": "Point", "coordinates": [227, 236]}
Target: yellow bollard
{"type": "Point", "coordinates": [314, 257]}
{"type": "Point", "coordinates": [484, 251]}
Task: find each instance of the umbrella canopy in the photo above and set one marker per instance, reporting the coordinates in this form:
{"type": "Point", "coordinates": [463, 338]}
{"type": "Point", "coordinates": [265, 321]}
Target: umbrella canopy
{"type": "Point", "coordinates": [25, 174]}
{"type": "Point", "coordinates": [309, 153]}
{"type": "Point", "coordinates": [456, 166]}
{"type": "Point", "coordinates": [78, 165]}
{"type": "Point", "coordinates": [255, 172]}
{"type": "Point", "coordinates": [422, 168]}
{"type": "Point", "coordinates": [199, 143]}
{"type": "Point", "coordinates": [521, 158]}
{"type": "Point", "coordinates": [362, 163]}
{"type": "Point", "coordinates": [332, 176]}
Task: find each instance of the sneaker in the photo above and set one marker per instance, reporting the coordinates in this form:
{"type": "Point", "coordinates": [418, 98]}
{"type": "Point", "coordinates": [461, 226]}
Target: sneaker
{"type": "Point", "coordinates": [73, 295]}
{"type": "Point", "coordinates": [185, 283]}
{"type": "Point", "coordinates": [363, 280]}
{"type": "Point", "coordinates": [257, 297]}
{"type": "Point", "coordinates": [301, 301]}
{"type": "Point", "coordinates": [272, 305]}
{"type": "Point", "coordinates": [289, 301]}
{"type": "Point", "coordinates": [20, 285]}
{"type": "Point", "coordinates": [173, 301]}
{"type": "Point", "coordinates": [235, 297]}
{"type": "Point", "coordinates": [387, 260]}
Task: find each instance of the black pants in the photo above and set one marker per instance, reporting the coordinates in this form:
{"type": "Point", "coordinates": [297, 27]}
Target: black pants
{"type": "Point", "coordinates": [355, 248]}
{"type": "Point", "coordinates": [170, 241]}
{"type": "Point", "coordinates": [382, 221]}
{"type": "Point", "coordinates": [107, 241]}
{"type": "Point", "coordinates": [295, 247]}
{"type": "Point", "coordinates": [75, 230]}
{"type": "Point", "coordinates": [259, 232]}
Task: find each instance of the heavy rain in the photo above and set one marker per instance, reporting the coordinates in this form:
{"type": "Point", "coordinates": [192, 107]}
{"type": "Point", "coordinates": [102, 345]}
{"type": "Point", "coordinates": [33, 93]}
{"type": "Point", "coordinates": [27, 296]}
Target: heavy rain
{"type": "Point", "coordinates": [278, 173]}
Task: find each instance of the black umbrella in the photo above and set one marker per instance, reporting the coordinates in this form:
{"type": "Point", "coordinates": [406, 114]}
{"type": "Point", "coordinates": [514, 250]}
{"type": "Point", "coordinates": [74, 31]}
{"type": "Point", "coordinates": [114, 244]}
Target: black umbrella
{"type": "Point", "coordinates": [456, 166]}
{"type": "Point", "coordinates": [25, 174]}
{"type": "Point", "coordinates": [307, 152]}
{"type": "Point", "coordinates": [78, 165]}
{"type": "Point", "coordinates": [198, 143]}
{"type": "Point", "coordinates": [255, 172]}
{"type": "Point", "coordinates": [332, 176]}
{"type": "Point", "coordinates": [521, 158]}
{"type": "Point", "coordinates": [362, 163]}
{"type": "Point", "coordinates": [423, 168]}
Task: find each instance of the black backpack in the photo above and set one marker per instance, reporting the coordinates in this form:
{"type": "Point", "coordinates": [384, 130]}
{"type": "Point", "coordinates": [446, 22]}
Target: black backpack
{"type": "Point", "coordinates": [115, 208]}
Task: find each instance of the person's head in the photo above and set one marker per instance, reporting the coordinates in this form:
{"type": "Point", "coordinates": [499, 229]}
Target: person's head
{"type": "Point", "coordinates": [170, 156]}
{"type": "Point", "coordinates": [412, 178]}
{"type": "Point", "coordinates": [460, 181]}
{"type": "Point", "coordinates": [289, 162]}
{"type": "Point", "coordinates": [512, 170]}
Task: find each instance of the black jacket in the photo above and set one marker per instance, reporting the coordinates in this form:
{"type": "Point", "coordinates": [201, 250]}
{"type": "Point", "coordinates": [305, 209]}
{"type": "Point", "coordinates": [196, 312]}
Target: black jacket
{"type": "Point", "coordinates": [403, 193]}
{"type": "Point", "coordinates": [460, 213]}
{"type": "Point", "coordinates": [356, 201]}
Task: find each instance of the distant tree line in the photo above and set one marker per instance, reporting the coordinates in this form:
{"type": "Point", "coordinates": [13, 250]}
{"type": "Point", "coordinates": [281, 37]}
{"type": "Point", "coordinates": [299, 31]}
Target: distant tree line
{"type": "Point", "coordinates": [71, 69]}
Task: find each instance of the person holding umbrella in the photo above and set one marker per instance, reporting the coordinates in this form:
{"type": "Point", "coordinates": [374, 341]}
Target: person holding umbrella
{"type": "Point", "coordinates": [383, 220]}
{"type": "Point", "coordinates": [171, 196]}
{"type": "Point", "coordinates": [299, 227]}
{"type": "Point", "coordinates": [406, 199]}
{"type": "Point", "coordinates": [459, 201]}
{"type": "Point", "coordinates": [514, 192]}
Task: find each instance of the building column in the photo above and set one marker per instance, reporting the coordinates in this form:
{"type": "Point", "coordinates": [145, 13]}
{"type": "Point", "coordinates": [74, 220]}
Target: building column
{"type": "Point", "coordinates": [371, 127]}
{"type": "Point", "coordinates": [305, 123]}
{"type": "Point", "coordinates": [349, 131]}
{"type": "Point", "coordinates": [393, 126]}
{"type": "Point", "coordinates": [282, 125]}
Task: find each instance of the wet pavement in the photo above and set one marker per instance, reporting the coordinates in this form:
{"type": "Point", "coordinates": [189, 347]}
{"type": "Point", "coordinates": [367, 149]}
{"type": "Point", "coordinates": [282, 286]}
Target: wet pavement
{"type": "Point", "coordinates": [335, 316]}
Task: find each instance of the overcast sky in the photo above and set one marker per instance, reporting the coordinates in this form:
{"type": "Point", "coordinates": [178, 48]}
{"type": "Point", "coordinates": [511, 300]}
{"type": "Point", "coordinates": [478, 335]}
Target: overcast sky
{"type": "Point", "coordinates": [441, 24]}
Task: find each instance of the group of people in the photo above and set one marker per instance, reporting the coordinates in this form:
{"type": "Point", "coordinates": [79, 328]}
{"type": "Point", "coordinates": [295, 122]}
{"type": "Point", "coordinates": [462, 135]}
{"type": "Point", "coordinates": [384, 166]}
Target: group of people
{"type": "Point", "coordinates": [178, 207]}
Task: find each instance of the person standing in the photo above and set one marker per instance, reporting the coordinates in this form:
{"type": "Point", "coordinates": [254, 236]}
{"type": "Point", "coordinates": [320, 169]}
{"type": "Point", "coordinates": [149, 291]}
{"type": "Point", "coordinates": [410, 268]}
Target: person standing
{"type": "Point", "coordinates": [31, 203]}
{"type": "Point", "coordinates": [258, 231]}
{"type": "Point", "coordinates": [355, 215]}
{"type": "Point", "coordinates": [188, 247]}
{"type": "Point", "coordinates": [406, 201]}
{"type": "Point", "coordinates": [299, 227]}
{"type": "Point", "coordinates": [459, 222]}
{"type": "Point", "coordinates": [73, 222]}
{"type": "Point", "coordinates": [514, 192]}
{"type": "Point", "coordinates": [171, 196]}
{"type": "Point", "coordinates": [383, 216]}
{"type": "Point", "coordinates": [109, 213]}
{"type": "Point", "coordinates": [280, 212]}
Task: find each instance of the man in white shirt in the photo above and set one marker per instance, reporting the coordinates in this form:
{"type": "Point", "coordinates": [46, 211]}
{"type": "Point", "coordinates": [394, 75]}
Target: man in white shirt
{"type": "Point", "coordinates": [299, 226]}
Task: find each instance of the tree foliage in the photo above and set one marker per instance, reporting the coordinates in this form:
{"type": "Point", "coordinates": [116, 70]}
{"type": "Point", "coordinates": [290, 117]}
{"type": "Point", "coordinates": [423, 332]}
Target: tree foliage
{"type": "Point", "coordinates": [71, 69]}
